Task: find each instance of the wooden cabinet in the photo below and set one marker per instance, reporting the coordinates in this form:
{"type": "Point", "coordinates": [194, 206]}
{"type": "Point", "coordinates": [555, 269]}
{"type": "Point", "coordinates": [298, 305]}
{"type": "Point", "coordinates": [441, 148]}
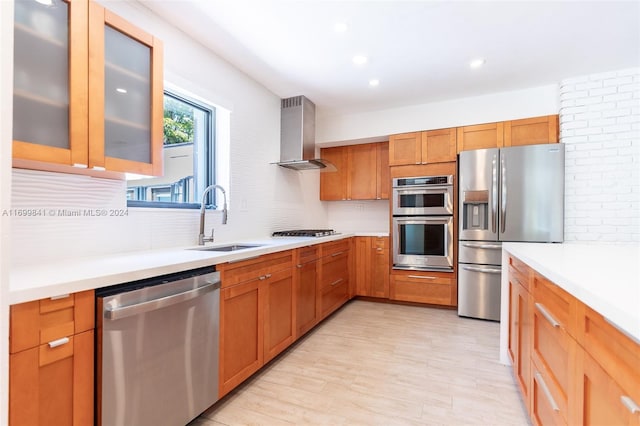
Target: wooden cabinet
{"type": "Point", "coordinates": [362, 173]}
{"type": "Point", "coordinates": [583, 370]}
{"type": "Point", "coordinates": [519, 346]}
{"type": "Point", "coordinates": [51, 353]}
{"type": "Point", "coordinates": [95, 82]}
{"type": "Point", "coordinates": [480, 136]}
{"type": "Point", "coordinates": [433, 146]}
{"type": "Point", "coordinates": [306, 284]}
{"type": "Point", "coordinates": [372, 266]}
{"type": "Point", "coordinates": [334, 275]}
{"type": "Point", "coordinates": [256, 315]}
{"type": "Point", "coordinates": [434, 288]}
{"type": "Point", "coordinates": [531, 131]}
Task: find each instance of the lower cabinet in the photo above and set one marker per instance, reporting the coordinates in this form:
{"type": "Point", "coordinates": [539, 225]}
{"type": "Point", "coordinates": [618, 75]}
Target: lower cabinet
{"type": "Point", "coordinates": [279, 326]}
{"type": "Point", "coordinates": [572, 366]}
{"type": "Point", "coordinates": [306, 284]}
{"type": "Point", "coordinates": [435, 288]}
{"type": "Point", "coordinates": [51, 361]}
{"type": "Point", "coordinates": [334, 276]}
{"type": "Point", "coordinates": [372, 266]}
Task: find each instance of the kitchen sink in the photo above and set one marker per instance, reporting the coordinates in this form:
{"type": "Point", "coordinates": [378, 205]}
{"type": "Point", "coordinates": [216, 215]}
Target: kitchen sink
{"type": "Point", "coordinates": [229, 247]}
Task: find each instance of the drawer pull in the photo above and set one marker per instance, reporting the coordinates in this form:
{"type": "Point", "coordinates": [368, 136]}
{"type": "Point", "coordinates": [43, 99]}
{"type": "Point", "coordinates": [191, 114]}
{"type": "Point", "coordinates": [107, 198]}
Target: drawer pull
{"type": "Point", "coordinates": [540, 307]}
{"type": "Point", "coordinates": [299, 265]}
{"type": "Point", "coordinates": [262, 277]}
{"type": "Point", "coordinates": [337, 254]}
{"type": "Point", "coordinates": [59, 342]}
{"type": "Point", "coordinates": [482, 270]}
{"type": "Point", "coordinates": [547, 392]}
{"type": "Point", "coordinates": [379, 249]}
{"type": "Point", "coordinates": [630, 404]}
{"type": "Point", "coordinates": [483, 246]}
{"type": "Point", "coordinates": [268, 276]}
{"type": "Point", "coordinates": [338, 281]}
{"type": "Point", "coordinates": [422, 277]}
{"type": "Point", "coordinates": [61, 296]}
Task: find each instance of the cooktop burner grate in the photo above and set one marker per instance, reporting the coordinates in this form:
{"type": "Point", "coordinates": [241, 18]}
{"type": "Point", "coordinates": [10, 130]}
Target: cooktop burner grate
{"type": "Point", "coordinates": [304, 233]}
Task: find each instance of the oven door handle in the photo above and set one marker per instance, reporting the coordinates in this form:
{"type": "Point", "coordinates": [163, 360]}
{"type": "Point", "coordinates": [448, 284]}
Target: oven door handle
{"type": "Point", "coordinates": [162, 302]}
{"type": "Point", "coordinates": [423, 189]}
{"type": "Point", "coordinates": [482, 270]}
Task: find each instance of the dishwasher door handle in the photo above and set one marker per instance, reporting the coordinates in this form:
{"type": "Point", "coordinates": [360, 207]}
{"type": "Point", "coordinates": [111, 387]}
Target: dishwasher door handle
{"type": "Point", "coordinates": [151, 305]}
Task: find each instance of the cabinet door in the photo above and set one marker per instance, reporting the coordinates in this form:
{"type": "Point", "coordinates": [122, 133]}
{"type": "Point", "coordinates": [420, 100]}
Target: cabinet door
{"type": "Point", "coordinates": [480, 136]}
{"type": "Point", "coordinates": [334, 289]}
{"type": "Point", "coordinates": [126, 103]}
{"type": "Point", "coordinates": [439, 146]}
{"type": "Point", "coordinates": [362, 167]}
{"type": "Point", "coordinates": [307, 296]}
{"type": "Point", "coordinates": [379, 254]}
{"type": "Point", "coordinates": [520, 337]}
{"type": "Point", "coordinates": [333, 185]}
{"type": "Point", "coordinates": [53, 385]}
{"type": "Point", "coordinates": [51, 82]}
{"type": "Point", "coordinates": [279, 327]}
{"type": "Point", "coordinates": [241, 334]}
{"type": "Point", "coordinates": [531, 131]}
{"type": "Point", "coordinates": [363, 265]}
{"type": "Point", "coordinates": [383, 177]}
{"type": "Point", "coordinates": [405, 148]}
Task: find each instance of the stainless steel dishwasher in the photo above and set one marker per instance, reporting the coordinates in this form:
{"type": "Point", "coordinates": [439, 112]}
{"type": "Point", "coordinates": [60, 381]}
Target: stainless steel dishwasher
{"type": "Point", "coordinates": [157, 349]}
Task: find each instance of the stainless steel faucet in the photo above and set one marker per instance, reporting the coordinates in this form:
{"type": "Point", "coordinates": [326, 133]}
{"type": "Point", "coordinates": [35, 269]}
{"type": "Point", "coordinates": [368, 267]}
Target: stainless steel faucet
{"type": "Point", "coordinates": [201, 238]}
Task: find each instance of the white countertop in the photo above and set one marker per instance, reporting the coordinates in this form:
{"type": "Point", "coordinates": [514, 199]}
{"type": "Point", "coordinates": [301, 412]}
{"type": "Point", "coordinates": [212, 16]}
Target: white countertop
{"type": "Point", "coordinates": [605, 277]}
{"type": "Point", "coordinates": [51, 279]}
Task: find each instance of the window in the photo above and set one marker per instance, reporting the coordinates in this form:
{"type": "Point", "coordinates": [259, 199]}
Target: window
{"type": "Point", "coordinates": [189, 154]}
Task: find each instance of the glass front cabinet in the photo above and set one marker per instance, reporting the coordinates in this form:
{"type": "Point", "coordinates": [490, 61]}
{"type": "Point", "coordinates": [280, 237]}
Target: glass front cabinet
{"type": "Point", "coordinates": [87, 89]}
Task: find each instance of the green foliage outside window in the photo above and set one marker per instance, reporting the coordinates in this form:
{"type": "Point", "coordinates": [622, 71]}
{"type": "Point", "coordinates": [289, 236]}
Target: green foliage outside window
{"type": "Point", "coordinates": [178, 121]}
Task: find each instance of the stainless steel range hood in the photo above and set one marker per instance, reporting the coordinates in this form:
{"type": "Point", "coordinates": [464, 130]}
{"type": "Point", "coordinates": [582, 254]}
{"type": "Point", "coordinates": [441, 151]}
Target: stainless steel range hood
{"type": "Point", "coordinates": [297, 136]}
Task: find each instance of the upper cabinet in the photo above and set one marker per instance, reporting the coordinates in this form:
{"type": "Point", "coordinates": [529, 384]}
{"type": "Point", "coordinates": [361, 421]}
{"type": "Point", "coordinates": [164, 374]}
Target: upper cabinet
{"type": "Point", "coordinates": [433, 146]}
{"type": "Point", "coordinates": [480, 136]}
{"type": "Point", "coordinates": [530, 131]}
{"type": "Point", "coordinates": [362, 173]}
{"type": "Point", "coordinates": [93, 83]}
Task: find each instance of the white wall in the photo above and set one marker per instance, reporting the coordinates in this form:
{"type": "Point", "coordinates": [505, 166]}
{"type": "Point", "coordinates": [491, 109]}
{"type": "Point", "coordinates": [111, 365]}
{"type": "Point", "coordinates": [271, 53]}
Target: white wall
{"type": "Point", "coordinates": [600, 125]}
{"type": "Point", "coordinates": [6, 115]}
{"type": "Point", "coordinates": [263, 197]}
{"type": "Point", "coordinates": [378, 125]}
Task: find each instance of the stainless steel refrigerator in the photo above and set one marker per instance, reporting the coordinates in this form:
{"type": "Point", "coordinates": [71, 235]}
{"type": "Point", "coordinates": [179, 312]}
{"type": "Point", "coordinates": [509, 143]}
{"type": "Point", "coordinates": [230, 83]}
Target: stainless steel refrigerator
{"type": "Point", "coordinates": [506, 194]}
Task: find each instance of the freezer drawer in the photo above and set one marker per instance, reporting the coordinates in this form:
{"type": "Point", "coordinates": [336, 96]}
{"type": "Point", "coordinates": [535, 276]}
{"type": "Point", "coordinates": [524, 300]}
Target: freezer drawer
{"type": "Point", "coordinates": [482, 252]}
{"type": "Point", "coordinates": [479, 291]}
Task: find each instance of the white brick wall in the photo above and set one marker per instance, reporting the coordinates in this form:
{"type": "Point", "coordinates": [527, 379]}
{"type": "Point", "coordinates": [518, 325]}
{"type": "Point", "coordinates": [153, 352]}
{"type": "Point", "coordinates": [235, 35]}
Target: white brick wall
{"type": "Point", "coordinates": [600, 126]}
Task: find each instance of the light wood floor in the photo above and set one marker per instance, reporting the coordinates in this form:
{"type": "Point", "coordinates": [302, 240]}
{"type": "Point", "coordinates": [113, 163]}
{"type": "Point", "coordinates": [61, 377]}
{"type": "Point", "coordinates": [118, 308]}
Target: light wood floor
{"type": "Point", "coordinates": [381, 364]}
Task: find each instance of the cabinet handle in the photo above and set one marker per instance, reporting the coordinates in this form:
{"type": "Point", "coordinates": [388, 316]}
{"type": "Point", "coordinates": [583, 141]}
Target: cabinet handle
{"type": "Point", "coordinates": [59, 342]}
{"type": "Point", "coordinates": [337, 254]}
{"type": "Point", "coordinates": [422, 277]}
{"type": "Point", "coordinates": [299, 265]}
{"type": "Point", "coordinates": [547, 392]}
{"type": "Point", "coordinates": [61, 296]}
{"type": "Point", "coordinates": [483, 246]}
{"type": "Point", "coordinates": [379, 249]}
{"type": "Point", "coordinates": [540, 307]}
{"type": "Point", "coordinates": [338, 281]}
{"type": "Point", "coordinates": [268, 276]}
{"type": "Point", "coordinates": [262, 277]}
{"type": "Point", "coordinates": [630, 404]}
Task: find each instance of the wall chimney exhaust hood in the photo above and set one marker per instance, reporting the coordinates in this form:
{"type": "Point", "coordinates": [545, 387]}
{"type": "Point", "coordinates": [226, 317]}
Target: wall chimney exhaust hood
{"type": "Point", "coordinates": [297, 136]}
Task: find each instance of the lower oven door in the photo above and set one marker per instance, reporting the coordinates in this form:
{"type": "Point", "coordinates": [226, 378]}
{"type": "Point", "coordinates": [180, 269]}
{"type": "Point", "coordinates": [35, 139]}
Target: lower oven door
{"type": "Point", "coordinates": [423, 243]}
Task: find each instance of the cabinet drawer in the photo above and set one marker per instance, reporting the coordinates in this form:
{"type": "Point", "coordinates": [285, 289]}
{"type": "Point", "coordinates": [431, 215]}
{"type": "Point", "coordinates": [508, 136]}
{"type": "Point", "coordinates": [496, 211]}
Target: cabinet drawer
{"type": "Point", "coordinates": [422, 289]}
{"type": "Point", "coordinates": [547, 406]}
{"type": "Point", "coordinates": [520, 272]}
{"type": "Point", "coordinates": [618, 355]}
{"type": "Point", "coordinates": [335, 269]}
{"type": "Point", "coordinates": [333, 296]}
{"type": "Point", "coordinates": [334, 248]}
{"type": "Point", "coordinates": [553, 302]}
{"type": "Point", "coordinates": [42, 321]}
{"type": "Point", "coordinates": [551, 352]}
{"type": "Point", "coordinates": [380, 242]}
{"type": "Point", "coordinates": [246, 270]}
{"type": "Point", "coordinates": [307, 254]}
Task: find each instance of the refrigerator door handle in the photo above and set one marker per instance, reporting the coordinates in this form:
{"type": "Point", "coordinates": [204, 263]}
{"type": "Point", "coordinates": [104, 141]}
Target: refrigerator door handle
{"type": "Point", "coordinates": [482, 269]}
{"type": "Point", "coordinates": [503, 195]}
{"type": "Point", "coordinates": [494, 193]}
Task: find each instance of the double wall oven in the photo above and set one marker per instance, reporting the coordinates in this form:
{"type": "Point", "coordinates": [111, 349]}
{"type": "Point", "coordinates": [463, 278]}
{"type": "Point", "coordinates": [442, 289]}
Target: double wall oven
{"type": "Point", "coordinates": [423, 223]}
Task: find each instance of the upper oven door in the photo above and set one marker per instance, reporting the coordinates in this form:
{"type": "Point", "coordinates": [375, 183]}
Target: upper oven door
{"type": "Point", "coordinates": [423, 200]}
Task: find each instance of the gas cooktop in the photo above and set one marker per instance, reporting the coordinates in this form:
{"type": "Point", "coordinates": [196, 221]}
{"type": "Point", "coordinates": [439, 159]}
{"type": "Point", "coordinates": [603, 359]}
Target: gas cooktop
{"type": "Point", "coordinates": [304, 233]}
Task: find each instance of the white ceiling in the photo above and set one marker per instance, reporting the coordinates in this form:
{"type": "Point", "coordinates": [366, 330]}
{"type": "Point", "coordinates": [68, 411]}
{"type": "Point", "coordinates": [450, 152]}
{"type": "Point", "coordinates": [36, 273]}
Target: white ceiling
{"type": "Point", "coordinates": [419, 50]}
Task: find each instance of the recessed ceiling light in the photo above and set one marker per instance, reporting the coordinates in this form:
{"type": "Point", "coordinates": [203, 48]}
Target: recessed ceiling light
{"type": "Point", "coordinates": [121, 90]}
{"type": "Point", "coordinates": [374, 82]}
{"type": "Point", "coordinates": [477, 63]}
{"type": "Point", "coordinates": [360, 59]}
{"type": "Point", "coordinates": [340, 27]}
